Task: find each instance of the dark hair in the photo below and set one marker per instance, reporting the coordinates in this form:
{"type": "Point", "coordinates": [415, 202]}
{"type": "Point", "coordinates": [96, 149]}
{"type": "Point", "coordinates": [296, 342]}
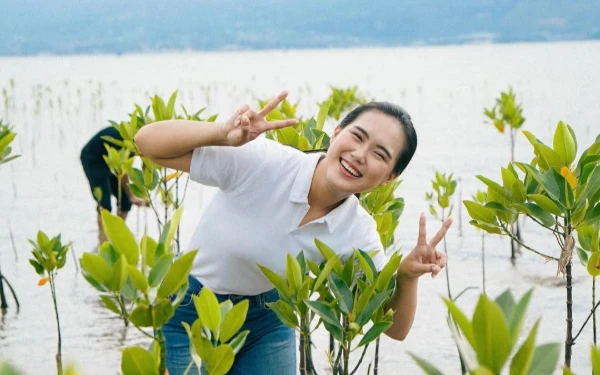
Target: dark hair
{"type": "Point", "coordinates": [403, 118]}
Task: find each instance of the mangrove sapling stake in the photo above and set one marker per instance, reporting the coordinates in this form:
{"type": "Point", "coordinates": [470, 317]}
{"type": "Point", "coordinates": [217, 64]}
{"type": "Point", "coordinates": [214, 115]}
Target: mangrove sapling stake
{"type": "Point", "coordinates": [50, 255]}
{"type": "Point", "coordinates": [554, 192]}
{"type": "Point", "coordinates": [508, 113]}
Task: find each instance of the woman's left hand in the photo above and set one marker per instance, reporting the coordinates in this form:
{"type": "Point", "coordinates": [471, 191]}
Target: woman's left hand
{"type": "Point", "coordinates": [424, 258]}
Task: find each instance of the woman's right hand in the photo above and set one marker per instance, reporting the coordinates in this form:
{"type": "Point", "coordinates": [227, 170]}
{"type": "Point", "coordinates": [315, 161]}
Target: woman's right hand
{"type": "Point", "coordinates": [246, 124]}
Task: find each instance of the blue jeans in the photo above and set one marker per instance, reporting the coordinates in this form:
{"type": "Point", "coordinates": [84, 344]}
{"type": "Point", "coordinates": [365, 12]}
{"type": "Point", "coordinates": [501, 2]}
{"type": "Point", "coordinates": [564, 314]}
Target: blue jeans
{"type": "Point", "coordinates": [270, 347]}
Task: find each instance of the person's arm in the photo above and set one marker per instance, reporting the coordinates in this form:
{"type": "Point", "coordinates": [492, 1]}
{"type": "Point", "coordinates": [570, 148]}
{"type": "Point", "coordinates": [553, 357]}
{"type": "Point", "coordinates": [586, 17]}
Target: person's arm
{"type": "Point", "coordinates": [171, 143]}
{"type": "Point", "coordinates": [424, 258]}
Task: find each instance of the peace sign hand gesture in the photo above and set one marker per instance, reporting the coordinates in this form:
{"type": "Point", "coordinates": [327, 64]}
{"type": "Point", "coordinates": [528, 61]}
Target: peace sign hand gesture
{"type": "Point", "coordinates": [425, 258]}
{"type": "Point", "coordinates": [246, 124]}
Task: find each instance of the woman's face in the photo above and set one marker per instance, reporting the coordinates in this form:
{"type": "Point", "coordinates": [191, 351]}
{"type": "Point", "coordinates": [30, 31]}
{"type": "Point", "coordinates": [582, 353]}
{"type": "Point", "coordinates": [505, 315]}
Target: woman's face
{"type": "Point", "coordinates": [363, 154]}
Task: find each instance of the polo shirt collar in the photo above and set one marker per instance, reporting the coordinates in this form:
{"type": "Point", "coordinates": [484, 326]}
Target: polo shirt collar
{"type": "Point", "coordinates": [301, 188]}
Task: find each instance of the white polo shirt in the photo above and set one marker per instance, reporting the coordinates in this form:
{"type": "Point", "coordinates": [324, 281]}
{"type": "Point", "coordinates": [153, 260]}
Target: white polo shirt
{"type": "Point", "coordinates": [254, 217]}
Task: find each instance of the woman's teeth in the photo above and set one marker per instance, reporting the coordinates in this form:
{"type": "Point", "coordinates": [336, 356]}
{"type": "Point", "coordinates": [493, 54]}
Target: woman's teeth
{"type": "Point", "coordinates": [350, 170]}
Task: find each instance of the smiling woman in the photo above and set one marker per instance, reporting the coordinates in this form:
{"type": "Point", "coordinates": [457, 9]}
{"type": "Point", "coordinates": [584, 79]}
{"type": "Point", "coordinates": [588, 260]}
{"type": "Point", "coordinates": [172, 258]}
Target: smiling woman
{"type": "Point", "coordinates": [274, 200]}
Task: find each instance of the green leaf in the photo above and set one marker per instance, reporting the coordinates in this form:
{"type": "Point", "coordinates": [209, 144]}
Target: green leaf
{"type": "Point", "coordinates": [522, 360]}
{"type": "Point", "coordinates": [325, 313]}
{"type": "Point", "coordinates": [583, 256]}
{"type": "Point", "coordinates": [173, 225]}
{"type": "Point", "coordinates": [160, 269]}
{"type": "Point", "coordinates": [481, 213]}
{"type": "Point", "coordinates": [462, 321]}
{"type": "Point", "coordinates": [546, 181]}
{"type": "Point", "coordinates": [517, 190]}
{"type": "Point", "coordinates": [506, 303]}
{"type": "Point", "coordinates": [593, 265]}
{"type": "Point", "coordinates": [138, 279]}
{"type": "Point", "coordinates": [564, 144]}
{"type": "Point", "coordinates": [323, 111]}
{"type": "Point", "coordinates": [177, 275]}
{"type": "Point", "coordinates": [287, 136]}
{"type": "Point", "coordinates": [388, 271]}
{"type": "Point", "coordinates": [322, 276]}
{"type": "Point", "coordinates": [208, 309]}
{"type": "Point", "coordinates": [427, 367]}
{"type": "Point", "coordinates": [328, 253]}
{"type": "Point", "coordinates": [545, 203]}
{"type": "Point", "coordinates": [367, 265]}
{"type": "Point", "coordinates": [225, 307]}
{"type": "Point", "coordinates": [494, 186]}
{"type": "Point", "coordinates": [293, 273]}
{"type": "Point", "coordinates": [491, 335]}
{"type": "Point", "coordinates": [162, 312]}
{"type": "Point", "coordinates": [96, 268]}
{"type": "Point", "coordinates": [592, 216]}
{"type": "Point", "coordinates": [141, 316]}
{"type": "Point", "coordinates": [595, 359]}
{"type": "Point", "coordinates": [377, 301]}
{"type": "Point", "coordinates": [119, 275]}
{"type": "Point", "coordinates": [544, 360]}
{"type": "Point", "coordinates": [234, 320]}
{"type": "Point", "coordinates": [285, 313]}
{"type": "Point", "coordinates": [375, 331]}
{"type": "Point", "coordinates": [537, 212]}
{"type": "Point", "coordinates": [551, 157]}
{"type": "Point", "coordinates": [110, 304]}
{"type": "Point", "coordinates": [238, 341]}
{"type": "Point", "coordinates": [120, 237]}
{"type": "Point", "coordinates": [221, 360]}
{"type": "Point", "coordinates": [277, 280]}
{"type": "Point", "coordinates": [148, 250]}
{"type": "Point", "coordinates": [341, 291]}
{"type": "Point", "coordinates": [517, 316]}
{"type": "Point", "coordinates": [138, 361]}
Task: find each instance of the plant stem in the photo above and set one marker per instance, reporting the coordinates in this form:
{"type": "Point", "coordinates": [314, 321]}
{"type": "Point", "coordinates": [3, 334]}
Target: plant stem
{"type": "Point", "coordinates": [376, 366]}
{"type": "Point", "coordinates": [586, 321]}
{"type": "Point", "coordinates": [163, 350]}
{"type": "Point", "coordinates": [483, 260]}
{"type": "Point", "coordinates": [447, 269]}
{"type": "Point", "coordinates": [508, 233]}
{"type": "Point", "coordinates": [3, 303]}
{"type": "Point", "coordinates": [12, 291]}
{"type": "Point", "coordinates": [362, 356]}
{"type": "Point", "coordinates": [59, 353]}
{"type": "Point", "coordinates": [569, 340]}
{"type": "Point", "coordinates": [593, 307]}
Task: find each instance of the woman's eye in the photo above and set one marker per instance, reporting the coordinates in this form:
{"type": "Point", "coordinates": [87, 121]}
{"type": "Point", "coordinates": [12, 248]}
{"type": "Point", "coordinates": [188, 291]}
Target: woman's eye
{"type": "Point", "coordinates": [357, 136]}
{"type": "Point", "coordinates": [379, 156]}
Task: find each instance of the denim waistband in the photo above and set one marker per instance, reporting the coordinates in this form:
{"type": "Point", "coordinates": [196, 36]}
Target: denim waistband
{"type": "Point", "coordinates": [257, 300]}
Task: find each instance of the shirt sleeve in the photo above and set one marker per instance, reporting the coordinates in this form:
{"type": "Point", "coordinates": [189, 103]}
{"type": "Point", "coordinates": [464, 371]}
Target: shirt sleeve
{"type": "Point", "coordinates": [229, 168]}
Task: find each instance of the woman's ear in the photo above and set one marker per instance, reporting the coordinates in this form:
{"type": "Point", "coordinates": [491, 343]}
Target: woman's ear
{"type": "Point", "coordinates": [336, 131]}
{"type": "Point", "coordinates": [391, 177]}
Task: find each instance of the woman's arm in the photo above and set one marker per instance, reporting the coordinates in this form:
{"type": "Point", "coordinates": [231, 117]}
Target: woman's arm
{"type": "Point", "coordinates": [423, 259]}
{"type": "Point", "coordinates": [171, 143]}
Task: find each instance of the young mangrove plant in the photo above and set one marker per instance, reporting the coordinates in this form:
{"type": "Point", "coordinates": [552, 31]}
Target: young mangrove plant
{"type": "Point", "coordinates": [440, 207]}
{"type": "Point", "coordinates": [6, 137]}
{"type": "Point", "coordinates": [507, 113]}
{"type": "Point", "coordinates": [490, 336]}
{"type": "Point", "coordinates": [343, 100]}
{"type": "Point", "coordinates": [555, 191]}
{"type": "Point", "coordinates": [215, 339]}
{"type": "Point", "coordinates": [50, 255]}
{"type": "Point", "coordinates": [144, 276]}
{"type": "Point", "coordinates": [481, 198]}
{"type": "Point", "coordinates": [350, 295]}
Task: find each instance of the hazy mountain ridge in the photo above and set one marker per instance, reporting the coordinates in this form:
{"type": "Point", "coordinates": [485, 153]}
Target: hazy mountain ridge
{"type": "Point", "coordinates": [64, 27]}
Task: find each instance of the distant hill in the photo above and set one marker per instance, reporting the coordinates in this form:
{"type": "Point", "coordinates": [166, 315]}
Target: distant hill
{"type": "Point", "coordinates": [30, 27]}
